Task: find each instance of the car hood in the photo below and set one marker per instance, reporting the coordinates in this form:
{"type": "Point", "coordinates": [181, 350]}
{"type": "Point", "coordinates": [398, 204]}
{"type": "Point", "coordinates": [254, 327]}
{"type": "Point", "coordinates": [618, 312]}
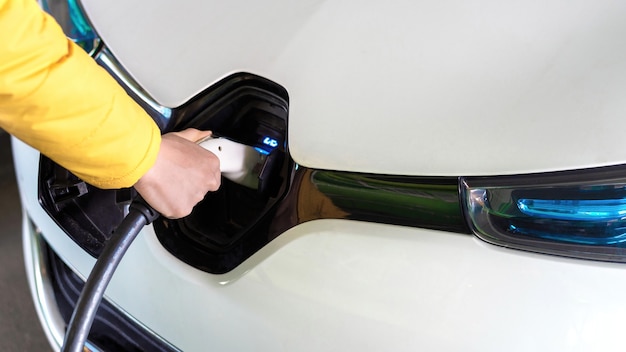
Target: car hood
{"type": "Point", "coordinates": [404, 87]}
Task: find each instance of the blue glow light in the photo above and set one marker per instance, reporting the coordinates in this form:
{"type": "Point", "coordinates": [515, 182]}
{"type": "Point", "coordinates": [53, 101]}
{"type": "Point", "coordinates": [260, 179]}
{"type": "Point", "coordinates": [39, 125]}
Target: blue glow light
{"type": "Point", "coordinates": [579, 214]}
{"type": "Point", "coordinates": [73, 21]}
{"type": "Point", "coordinates": [81, 30]}
{"type": "Point", "coordinates": [262, 151]}
{"type": "Point", "coordinates": [270, 142]}
{"type": "Point", "coordinates": [582, 210]}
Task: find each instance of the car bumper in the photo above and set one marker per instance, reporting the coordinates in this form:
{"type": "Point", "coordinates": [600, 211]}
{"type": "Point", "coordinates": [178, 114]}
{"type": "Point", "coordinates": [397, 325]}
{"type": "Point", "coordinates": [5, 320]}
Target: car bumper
{"type": "Point", "coordinates": [55, 289]}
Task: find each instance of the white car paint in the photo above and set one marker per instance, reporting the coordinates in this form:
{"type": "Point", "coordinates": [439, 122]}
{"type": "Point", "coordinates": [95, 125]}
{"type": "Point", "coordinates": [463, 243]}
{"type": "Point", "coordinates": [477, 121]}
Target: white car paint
{"type": "Point", "coordinates": [413, 88]}
{"type": "Point", "coordinates": [449, 87]}
{"type": "Point", "coordinates": [339, 285]}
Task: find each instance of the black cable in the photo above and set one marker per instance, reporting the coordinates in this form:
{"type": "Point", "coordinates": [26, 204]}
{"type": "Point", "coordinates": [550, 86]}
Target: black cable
{"type": "Point", "coordinates": [139, 215]}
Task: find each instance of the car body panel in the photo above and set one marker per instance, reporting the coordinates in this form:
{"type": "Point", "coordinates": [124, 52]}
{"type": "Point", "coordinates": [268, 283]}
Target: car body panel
{"type": "Point", "coordinates": [445, 88]}
{"type": "Point", "coordinates": [337, 285]}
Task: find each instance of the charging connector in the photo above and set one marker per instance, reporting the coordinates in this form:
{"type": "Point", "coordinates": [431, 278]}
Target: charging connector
{"type": "Point", "coordinates": [239, 163]}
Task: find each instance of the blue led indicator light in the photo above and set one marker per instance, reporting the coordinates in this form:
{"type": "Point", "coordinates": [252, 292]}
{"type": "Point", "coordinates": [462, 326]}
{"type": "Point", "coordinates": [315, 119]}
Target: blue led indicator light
{"type": "Point", "coordinates": [262, 151]}
{"type": "Point", "coordinates": [270, 142]}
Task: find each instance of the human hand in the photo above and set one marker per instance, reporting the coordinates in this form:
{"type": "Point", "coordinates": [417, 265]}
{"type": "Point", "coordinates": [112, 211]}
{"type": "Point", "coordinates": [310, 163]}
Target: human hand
{"type": "Point", "coordinates": [181, 176]}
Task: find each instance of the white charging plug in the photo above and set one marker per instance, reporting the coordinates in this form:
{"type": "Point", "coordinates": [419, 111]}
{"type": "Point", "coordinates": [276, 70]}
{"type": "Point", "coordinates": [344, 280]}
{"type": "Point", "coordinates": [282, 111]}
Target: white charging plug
{"type": "Point", "coordinates": [239, 163]}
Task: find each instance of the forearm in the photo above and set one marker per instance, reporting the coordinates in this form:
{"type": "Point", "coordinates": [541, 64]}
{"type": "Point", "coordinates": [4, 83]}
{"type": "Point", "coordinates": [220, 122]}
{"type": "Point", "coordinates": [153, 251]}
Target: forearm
{"type": "Point", "coordinates": [56, 99]}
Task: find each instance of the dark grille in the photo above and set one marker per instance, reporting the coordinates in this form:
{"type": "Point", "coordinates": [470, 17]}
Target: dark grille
{"type": "Point", "coordinates": [111, 330]}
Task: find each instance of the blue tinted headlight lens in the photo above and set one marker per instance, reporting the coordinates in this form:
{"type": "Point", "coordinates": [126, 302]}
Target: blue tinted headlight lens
{"type": "Point", "coordinates": [70, 16]}
{"type": "Point", "coordinates": [576, 213]}
{"type": "Point", "coordinates": [574, 209]}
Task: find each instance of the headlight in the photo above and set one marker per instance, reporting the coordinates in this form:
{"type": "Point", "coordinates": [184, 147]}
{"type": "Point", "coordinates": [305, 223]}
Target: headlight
{"type": "Point", "coordinates": [69, 14]}
{"type": "Point", "coordinates": [576, 213]}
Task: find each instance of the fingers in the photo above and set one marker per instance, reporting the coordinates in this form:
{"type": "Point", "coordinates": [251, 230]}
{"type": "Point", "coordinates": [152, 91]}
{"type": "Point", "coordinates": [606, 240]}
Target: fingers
{"type": "Point", "coordinates": [192, 134]}
{"type": "Point", "coordinates": [182, 174]}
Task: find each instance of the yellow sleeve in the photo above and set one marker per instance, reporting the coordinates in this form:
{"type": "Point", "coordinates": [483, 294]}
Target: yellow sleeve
{"type": "Point", "coordinates": [54, 97]}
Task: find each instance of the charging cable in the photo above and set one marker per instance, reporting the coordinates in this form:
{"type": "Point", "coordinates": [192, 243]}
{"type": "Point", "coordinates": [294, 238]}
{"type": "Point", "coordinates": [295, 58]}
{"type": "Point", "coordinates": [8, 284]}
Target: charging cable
{"type": "Point", "coordinates": [140, 214]}
{"type": "Point", "coordinates": [239, 163]}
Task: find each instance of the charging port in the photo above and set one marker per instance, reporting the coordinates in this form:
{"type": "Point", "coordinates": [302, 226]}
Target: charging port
{"type": "Point", "coordinates": [232, 223]}
{"type": "Point", "coordinates": [228, 225]}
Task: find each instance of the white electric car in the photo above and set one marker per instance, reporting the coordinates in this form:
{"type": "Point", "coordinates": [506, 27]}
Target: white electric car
{"type": "Point", "coordinates": [437, 176]}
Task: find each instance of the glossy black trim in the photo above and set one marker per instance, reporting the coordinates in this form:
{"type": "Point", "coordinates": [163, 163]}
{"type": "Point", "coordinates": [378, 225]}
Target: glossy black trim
{"type": "Point", "coordinates": [423, 202]}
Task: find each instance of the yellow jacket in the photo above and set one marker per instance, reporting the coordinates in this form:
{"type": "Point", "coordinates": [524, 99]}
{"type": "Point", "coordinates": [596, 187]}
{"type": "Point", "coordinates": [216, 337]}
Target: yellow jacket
{"type": "Point", "coordinates": [55, 98]}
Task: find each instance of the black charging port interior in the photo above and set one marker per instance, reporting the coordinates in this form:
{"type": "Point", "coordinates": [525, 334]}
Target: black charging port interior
{"type": "Point", "coordinates": [231, 223]}
{"type": "Point", "coordinates": [228, 225]}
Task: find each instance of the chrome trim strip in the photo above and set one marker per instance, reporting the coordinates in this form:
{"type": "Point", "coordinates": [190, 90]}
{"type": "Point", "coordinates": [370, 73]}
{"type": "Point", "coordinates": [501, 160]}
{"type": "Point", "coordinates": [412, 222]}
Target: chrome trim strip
{"type": "Point", "coordinates": [116, 69]}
